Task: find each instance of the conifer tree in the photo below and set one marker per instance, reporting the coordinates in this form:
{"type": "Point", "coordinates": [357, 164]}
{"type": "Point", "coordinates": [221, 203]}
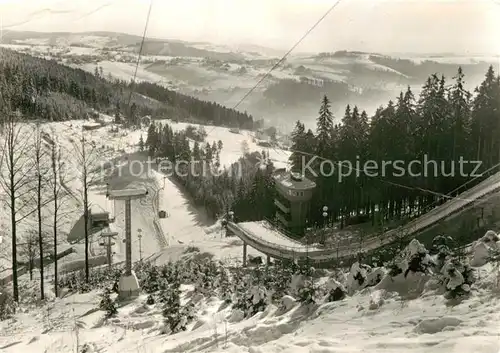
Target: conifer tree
{"type": "Point", "coordinates": [141, 144]}
{"type": "Point", "coordinates": [324, 129]}
{"type": "Point", "coordinates": [298, 143]}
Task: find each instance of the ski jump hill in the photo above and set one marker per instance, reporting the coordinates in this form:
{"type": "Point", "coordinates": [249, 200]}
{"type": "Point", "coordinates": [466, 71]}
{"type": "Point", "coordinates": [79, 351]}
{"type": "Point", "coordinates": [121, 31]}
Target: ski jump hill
{"type": "Point", "coordinates": [266, 238]}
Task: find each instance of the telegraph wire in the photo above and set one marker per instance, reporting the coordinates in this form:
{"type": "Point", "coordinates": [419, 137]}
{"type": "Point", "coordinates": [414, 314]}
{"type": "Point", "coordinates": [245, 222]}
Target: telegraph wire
{"type": "Point", "coordinates": [277, 64]}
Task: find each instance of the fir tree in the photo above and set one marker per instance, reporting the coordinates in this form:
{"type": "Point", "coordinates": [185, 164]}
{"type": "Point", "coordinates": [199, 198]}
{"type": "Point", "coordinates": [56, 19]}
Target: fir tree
{"type": "Point", "coordinates": [298, 142]}
{"type": "Point", "coordinates": [324, 129]}
{"type": "Point", "coordinates": [141, 144]}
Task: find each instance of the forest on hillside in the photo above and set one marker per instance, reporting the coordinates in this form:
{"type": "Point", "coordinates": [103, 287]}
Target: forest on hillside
{"type": "Point", "coordinates": [218, 189]}
{"type": "Point", "coordinates": [444, 124]}
{"type": "Point", "coordinates": [419, 71]}
{"type": "Point", "coordinates": [44, 89]}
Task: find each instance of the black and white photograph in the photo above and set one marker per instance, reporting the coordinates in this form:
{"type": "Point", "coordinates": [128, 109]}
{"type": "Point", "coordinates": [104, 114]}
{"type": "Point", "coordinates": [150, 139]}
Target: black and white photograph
{"type": "Point", "coordinates": [250, 176]}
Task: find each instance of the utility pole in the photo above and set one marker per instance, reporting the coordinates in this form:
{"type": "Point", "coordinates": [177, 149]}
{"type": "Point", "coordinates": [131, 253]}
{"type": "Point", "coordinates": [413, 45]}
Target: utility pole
{"type": "Point", "coordinates": [325, 214]}
{"type": "Point", "coordinates": [109, 254]}
{"type": "Point", "coordinates": [139, 236]}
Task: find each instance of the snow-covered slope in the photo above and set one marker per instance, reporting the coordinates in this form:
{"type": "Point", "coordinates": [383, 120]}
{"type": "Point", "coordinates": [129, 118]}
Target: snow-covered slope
{"type": "Point", "coordinates": [371, 318]}
{"type": "Point", "coordinates": [184, 226]}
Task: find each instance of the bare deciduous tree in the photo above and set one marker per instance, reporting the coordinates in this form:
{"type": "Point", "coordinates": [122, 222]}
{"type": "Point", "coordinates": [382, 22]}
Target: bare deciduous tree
{"type": "Point", "coordinates": [56, 183]}
{"type": "Point", "coordinates": [88, 168]}
{"type": "Point", "coordinates": [15, 179]}
{"type": "Point", "coordinates": [41, 169]}
{"type": "Point", "coordinates": [28, 251]}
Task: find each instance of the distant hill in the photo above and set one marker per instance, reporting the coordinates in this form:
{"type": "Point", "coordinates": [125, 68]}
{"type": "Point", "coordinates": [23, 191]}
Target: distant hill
{"type": "Point", "coordinates": [225, 73]}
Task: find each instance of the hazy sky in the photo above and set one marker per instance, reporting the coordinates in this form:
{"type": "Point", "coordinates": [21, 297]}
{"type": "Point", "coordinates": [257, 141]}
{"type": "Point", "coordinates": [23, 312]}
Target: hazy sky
{"type": "Point", "coordinates": [460, 26]}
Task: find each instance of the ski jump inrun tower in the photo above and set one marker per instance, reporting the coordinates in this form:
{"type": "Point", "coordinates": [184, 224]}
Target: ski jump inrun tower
{"type": "Point", "coordinates": [128, 285]}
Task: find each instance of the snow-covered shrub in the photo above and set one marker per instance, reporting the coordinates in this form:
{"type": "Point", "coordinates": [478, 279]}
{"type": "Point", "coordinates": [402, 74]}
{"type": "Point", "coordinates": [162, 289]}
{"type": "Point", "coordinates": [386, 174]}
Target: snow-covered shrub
{"type": "Point", "coordinates": [490, 237]}
{"type": "Point", "coordinates": [206, 282]}
{"type": "Point", "coordinates": [357, 276]}
{"type": "Point", "coordinates": [362, 276]}
{"type": "Point", "coordinates": [383, 255]}
{"type": "Point", "coordinates": [7, 305]}
{"type": "Point", "coordinates": [336, 291]}
{"type": "Point", "coordinates": [170, 272]}
{"type": "Point", "coordinates": [307, 292]}
{"type": "Point", "coordinates": [116, 286]}
{"type": "Point", "coordinates": [224, 285]}
{"type": "Point", "coordinates": [484, 248]}
{"type": "Point", "coordinates": [374, 276]}
{"type": "Point", "coordinates": [172, 308]}
{"type": "Point", "coordinates": [442, 248]}
{"type": "Point", "coordinates": [98, 278]}
{"type": "Point", "coordinates": [297, 281]}
{"type": "Point", "coordinates": [408, 272]}
{"type": "Point", "coordinates": [191, 249]}
{"type": "Point", "coordinates": [281, 283]}
{"type": "Point", "coordinates": [107, 304]}
{"type": "Point", "coordinates": [414, 258]}
{"type": "Point", "coordinates": [150, 300]}
{"type": "Point", "coordinates": [458, 278]}
{"type": "Point", "coordinates": [149, 278]}
{"type": "Point", "coordinates": [176, 316]}
{"type": "Point", "coordinates": [287, 303]}
{"type": "Point", "coordinates": [251, 301]}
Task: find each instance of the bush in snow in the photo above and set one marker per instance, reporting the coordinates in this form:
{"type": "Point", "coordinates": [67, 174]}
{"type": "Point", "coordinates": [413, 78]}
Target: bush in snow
{"type": "Point", "coordinates": [441, 247]}
{"type": "Point", "coordinates": [414, 258]}
{"type": "Point", "coordinates": [7, 305]}
{"type": "Point", "coordinates": [307, 292]}
{"type": "Point", "coordinates": [99, 278]}
{"type": "Point", "coordinates": [458, 278]}
{"type": "Point", "coordinates": [176, 316]}
{"type": "Point", "coordinates": [287, 303]}
{"type": "Point", "coordinates": [149, 278]}
{"type": "Point", "coordinates": [484, 249]}
{"type": "Point", "coordinates": [280, 282]}
{"type": "Point", "coordinates": [374, 276]}
{"type": "Point", "coordinates": [494, 258]}
{"type": "Point", "coordinates": [362, 276]}
{"type": "Point", "coordinates": [224, 285]}
{"type": "Point", "coordinates": [251, 301]}
{"type": "Point", "coordinates": [107, 304]}
{"type": "Point", "coordinates": [383, 255]}
{"type": "Point", "coordinates": [336, 291]}
{"type": "Point", "coordinates": [150, 300]}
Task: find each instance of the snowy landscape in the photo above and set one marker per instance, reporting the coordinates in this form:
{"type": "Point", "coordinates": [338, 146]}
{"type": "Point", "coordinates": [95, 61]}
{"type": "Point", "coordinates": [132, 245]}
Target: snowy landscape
{"type": "Point", "coordinates": [276, 309]}
{"type": "Point", "coordinates": [408, 307]}
{"type": "Point", "coordinates": [224, 73]}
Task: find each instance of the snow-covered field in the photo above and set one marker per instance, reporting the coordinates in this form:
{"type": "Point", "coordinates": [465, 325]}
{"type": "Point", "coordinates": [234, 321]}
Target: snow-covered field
{"type": "Point", "coordinates": [395, 313]}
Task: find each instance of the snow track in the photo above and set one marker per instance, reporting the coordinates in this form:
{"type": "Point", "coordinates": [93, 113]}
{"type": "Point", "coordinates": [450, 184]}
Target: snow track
{"type": "Point", "coordinates": [263, 237]}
